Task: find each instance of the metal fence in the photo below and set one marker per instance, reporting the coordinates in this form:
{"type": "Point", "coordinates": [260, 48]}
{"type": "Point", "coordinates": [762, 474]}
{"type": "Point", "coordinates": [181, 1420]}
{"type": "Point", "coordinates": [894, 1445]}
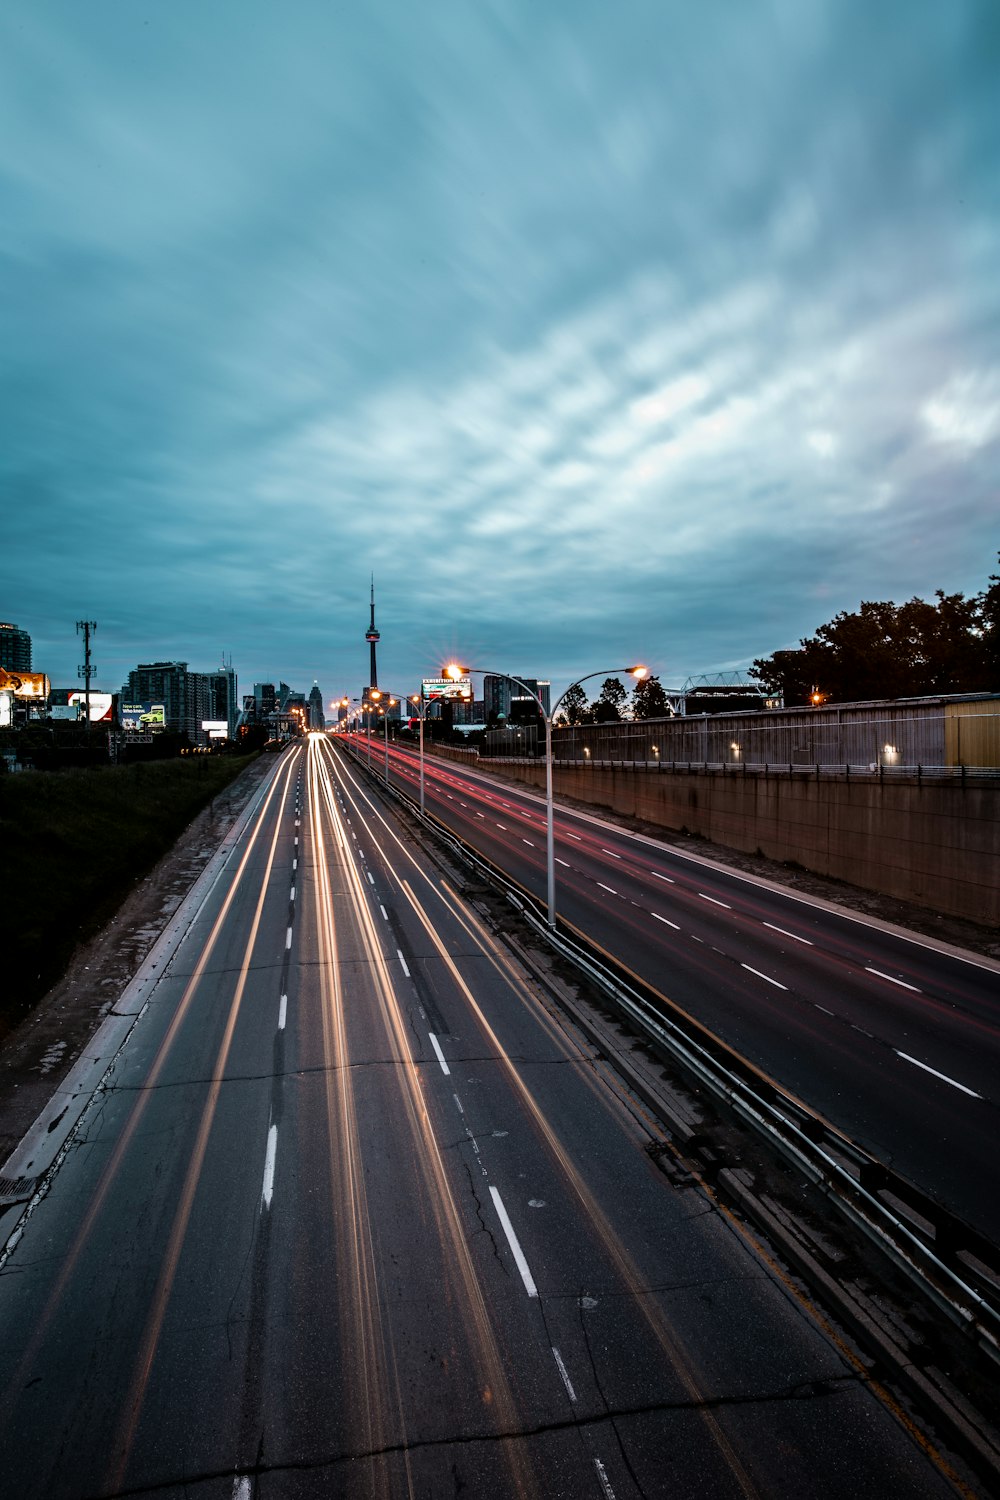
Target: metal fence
{"type": "Point", "coordinates": [936, 734]}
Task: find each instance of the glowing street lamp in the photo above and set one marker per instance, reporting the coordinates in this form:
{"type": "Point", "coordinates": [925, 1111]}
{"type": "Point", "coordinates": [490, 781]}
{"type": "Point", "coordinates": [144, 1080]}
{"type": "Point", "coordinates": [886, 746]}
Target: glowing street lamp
{"type": "Point", "coordinates": [454, 672]}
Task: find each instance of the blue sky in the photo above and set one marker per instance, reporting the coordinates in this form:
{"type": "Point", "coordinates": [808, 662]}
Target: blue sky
{"type": "Point", "coordinates": [597, 333]}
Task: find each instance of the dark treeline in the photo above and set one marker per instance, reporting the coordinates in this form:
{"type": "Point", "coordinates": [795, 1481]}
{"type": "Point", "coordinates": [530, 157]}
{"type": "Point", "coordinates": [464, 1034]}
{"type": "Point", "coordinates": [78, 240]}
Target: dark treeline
{"type": "Point", "coordinates": [884, 650]}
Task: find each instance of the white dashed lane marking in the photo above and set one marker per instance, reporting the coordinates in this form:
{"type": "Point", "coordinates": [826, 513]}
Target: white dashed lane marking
{"type": "Point", "coordinates": [515, 1248]}
{"type": "Point", "coordinates": [609, 1493]}
{"type": "Point", "coordinates": [943, 1076]}
{"type": "Point", "coordinates": [571, 1393]}
{"type": "Point", "coordinates": [440, 1055]}
{"type": "Point", "coordinates": [767, 977]}
{"type": "Point", "coordinates": [902, 983]}
{"type": "Point", "coordinates": [267, 1191]}
{"type": "Point", "coordinates": [794, 935]}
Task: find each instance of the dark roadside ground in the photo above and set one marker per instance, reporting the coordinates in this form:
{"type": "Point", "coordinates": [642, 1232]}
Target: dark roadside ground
{"type": "Point", "coordinates": [37, 1055]}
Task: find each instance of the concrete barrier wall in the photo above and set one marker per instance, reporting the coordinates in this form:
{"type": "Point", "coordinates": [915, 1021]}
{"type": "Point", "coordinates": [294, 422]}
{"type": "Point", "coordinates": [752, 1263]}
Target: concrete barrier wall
{"type": "Point", "coordinates": [933, 842]}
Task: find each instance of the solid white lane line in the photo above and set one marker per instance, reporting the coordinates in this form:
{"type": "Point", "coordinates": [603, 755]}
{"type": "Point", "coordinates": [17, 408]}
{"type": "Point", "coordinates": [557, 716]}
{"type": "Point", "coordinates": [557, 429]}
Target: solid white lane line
{"type": "Point", "coordinates": [794, 935]}
{"type": "Point", "coordinates": [272, 1148]}
{"type": "Point", "coordinates": [658, 876]}
{"type": "Point", "coordinates": [714, 901]}
{"type": "Point", "coordinates": [440, 1055]}
{"type": "Point", "coordinates": [612, 853]}
{"type": "Point", "coordinates": [609, 1493]}
{"type": "Point", "coordinates": [606, 888]}
{"type": "Point", "coordinates": [764, 976]}
{"type": "Point", "coordinates": [288, 938]}
{"type": "Point", "coordinates": [564, 1373]}
{"type": "Point", "coordinates": [561, 862]}
{"type": "Point", "coordinates": [282, 1012]}
{"type": "Point", "coordinates": [902, 983]}
{"type": "Point", "coordinates": [383, 911]}
{"type": "Point", "coordinates": [515, 1249]}
{"type": "Point", "coordinates": [402, 960]}
{"type": "Point", "coordinates": [665, 920]}
{"type": "Point", "coordinates": [943, 1076]}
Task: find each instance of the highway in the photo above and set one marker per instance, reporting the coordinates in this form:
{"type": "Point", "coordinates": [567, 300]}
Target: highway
{"type": "Point", "coordinates": [893, 1040]}
{"type": "Point", "coordinates": [357, 1212]}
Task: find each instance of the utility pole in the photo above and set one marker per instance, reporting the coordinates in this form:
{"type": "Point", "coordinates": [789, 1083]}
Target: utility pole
{"type": "Point", "coordinates": [86, 628]}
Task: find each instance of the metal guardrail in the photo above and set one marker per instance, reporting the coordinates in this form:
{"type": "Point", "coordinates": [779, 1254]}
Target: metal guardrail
{"type": "Point", "coordinates": [749, 769]}
{"type": "Point", "coordinates": [953, 1264]}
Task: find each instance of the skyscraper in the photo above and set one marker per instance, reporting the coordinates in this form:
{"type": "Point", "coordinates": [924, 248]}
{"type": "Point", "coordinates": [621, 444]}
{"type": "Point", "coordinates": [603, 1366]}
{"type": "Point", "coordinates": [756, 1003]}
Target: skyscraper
{"type": "Point", "coordinates": [15, 648]}
{"type": "Point", "coordinates": [317, 718]}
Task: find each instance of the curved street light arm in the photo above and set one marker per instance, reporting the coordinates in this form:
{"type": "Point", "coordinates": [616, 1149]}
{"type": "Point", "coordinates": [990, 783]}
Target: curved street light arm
{"type": "Point", "coordinates": [637, 671]}
{"type": "Point", "coordinates": [602, 672]}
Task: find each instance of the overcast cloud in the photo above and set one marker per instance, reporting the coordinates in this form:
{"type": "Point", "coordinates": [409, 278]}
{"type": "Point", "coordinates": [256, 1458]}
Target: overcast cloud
{"type": "Point", "coordinates": [596, 333]}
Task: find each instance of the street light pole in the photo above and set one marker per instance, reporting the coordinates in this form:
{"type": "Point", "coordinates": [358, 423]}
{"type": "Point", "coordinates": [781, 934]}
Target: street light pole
{"type": "Point", "coordinates": [638, 672]}
{"type": "Point", "coordinates": [386, 717]}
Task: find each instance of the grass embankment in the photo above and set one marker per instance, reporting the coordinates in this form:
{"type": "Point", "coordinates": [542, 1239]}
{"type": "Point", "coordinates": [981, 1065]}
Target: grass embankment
{"type": "Point", "coordinates": [72, 846]}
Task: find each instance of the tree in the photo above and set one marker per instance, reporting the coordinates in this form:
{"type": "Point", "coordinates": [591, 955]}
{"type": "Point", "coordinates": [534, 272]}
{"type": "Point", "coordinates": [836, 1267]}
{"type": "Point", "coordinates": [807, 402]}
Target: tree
{"type": "Point", "coordinates": [575, 708]}
{"type": "Point", "coordinates": [886, 650]}
{"type": "Point", "coordinates": [649, 701]}
{"type": "Point", "coordinates": [989, 625]}
{"type": "Point", "coordinates": [609, 706]}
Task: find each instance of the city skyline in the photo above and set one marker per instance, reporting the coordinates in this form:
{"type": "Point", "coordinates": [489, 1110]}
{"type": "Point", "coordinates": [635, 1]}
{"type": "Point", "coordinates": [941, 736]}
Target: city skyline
{"type": "Point", "coordinates": [659, 336]}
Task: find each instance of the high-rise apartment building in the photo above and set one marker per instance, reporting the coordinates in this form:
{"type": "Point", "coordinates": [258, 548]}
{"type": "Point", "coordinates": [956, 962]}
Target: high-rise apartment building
{"type": "Point", "coordinates": [15, 648]}
{"type": "Point", "coordinates": [508, 700]}
{"type": "Point", "coordinates": [188, 698]}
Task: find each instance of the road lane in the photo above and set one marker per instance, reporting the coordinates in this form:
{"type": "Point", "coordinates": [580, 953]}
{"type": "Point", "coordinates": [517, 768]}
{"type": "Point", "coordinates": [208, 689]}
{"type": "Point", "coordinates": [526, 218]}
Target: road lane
{"type": "Point", "coordinates": [359, 1214]}
{"type": "Point", "coordinates": [896, 1042]}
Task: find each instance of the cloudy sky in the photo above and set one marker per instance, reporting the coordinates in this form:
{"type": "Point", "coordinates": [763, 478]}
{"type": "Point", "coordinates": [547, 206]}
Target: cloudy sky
{"type": "Point", "coordinates": [596, 332]}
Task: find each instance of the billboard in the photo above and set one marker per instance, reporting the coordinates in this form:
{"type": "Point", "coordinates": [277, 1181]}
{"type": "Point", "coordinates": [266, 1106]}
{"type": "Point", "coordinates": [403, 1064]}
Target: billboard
{"type": "Point", "coordinates": [24, 684]}
{"type": "Point", "coordinates": [100, 705]}
{"type": "Point", "coordinates": [446, 687]}
{"type": "Point", "coordinates": [140, 718]}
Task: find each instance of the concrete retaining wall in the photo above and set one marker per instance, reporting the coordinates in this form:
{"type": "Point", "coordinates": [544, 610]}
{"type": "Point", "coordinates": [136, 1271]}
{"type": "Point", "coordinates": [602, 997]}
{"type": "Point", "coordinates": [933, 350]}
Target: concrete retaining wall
{"type": "Point", "coordinates": [933, 842]}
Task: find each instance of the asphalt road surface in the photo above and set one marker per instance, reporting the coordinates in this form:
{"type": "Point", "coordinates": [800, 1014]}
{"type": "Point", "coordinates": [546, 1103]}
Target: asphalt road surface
{"type": "Point", "coordinates": [893, 1039]}
{"type": "Point", "coordinates": [356, 1213]}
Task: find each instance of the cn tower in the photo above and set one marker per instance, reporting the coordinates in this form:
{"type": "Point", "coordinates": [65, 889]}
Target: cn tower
{"type": "Point", "coordinates": [371, 636]}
